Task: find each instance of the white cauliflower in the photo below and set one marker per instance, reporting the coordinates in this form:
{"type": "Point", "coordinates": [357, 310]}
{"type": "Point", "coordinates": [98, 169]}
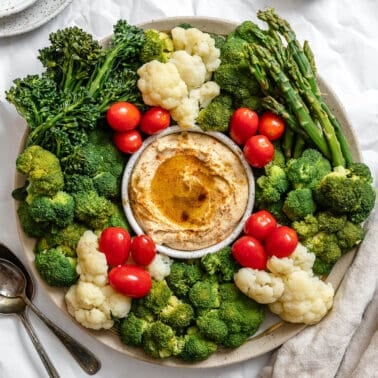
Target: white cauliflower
{"type": "Point", "coordinates": [160, 267]}
{"type": "Point", "coordinates": [259, 285]}
{"type": "Point", "coordinates": [306, 299]}
{"type": "Point", "coordinates": [92, 301]}
{"type": "Point", "coordinates": [196, 42]}
{"type": "Point", "coordinates": [205, 93]}
{"type": "Point", "coordinates": [91, 263]}
{"type": "Point", "coordinates": [161, 84]}
{"type": "Point", "coordinates": [190, 67]}
{"type": "Point", "coordinates": [186, 113]}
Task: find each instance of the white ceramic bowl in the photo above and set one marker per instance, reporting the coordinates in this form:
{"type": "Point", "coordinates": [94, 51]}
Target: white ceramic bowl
{"type": "Point", "coordinates": [179, 254]}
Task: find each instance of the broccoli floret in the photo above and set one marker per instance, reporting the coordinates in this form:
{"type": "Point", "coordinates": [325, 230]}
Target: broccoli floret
{"type": "Point", "coordinates": [212, 327]}
{"type": "Point", "coordinates": [177, 314]}
{"type": "Point", "coordinates": [245, 31]}
{"type": "Point", "coordinates": [329, 222]}
{"type": "Point", "coordinates": [158, 46]}
{"type": "Point", "coordinates": [307, 227]}
{"type": "Point", "coordinates": [66, 238]}
{"type": "Point", "coordinates": [271, 186]}
{"type": "Point", "coordinates": [219, 40]}
{"type": "Point", "coordinates": [307, 170]}
{"type": "Point", "coordinates": [118, 218]}
{"type": "Point", "coordinates": [322, 268]}
{"type": "Point", "coordinates": [106, 185]}
{"type": "Point", "coordinates": [362, 171]}
{"type": "Point", "coordinates": [42, 169]}
{"type": "Point", "coordinates": [325, 246]}
{"type": "Point", "coordinates": [196, 347]}
{"type": "Point", "coordinates": [350, 236]}
{"type": "Point", "coordinates": [131, 330]}
{"type": "Point", "coordinates": [78, 183]}
{"type": "Point", "coordinates": [58, 209]}
{"type": "Point", "coordinates": [160, 341]}
{"type": "Point", "coordinates": [232, 51]}
{"type": "Point", "coordinates": [275, 208]}
{"type": "Point", "coordinates": [204, 294]}
{"type": "Point", "coordinates": [298, 204]}
{"type": "Point", "coordinates": [56, 268]}
{"type": "Point", "coordinates": [29, 225]}
{"type": "Point", "coordinates": [158, 297]}
{"type": "Point", "coordinates": [92, 209]}
{"type": "Point", "coordinates": [344, 192]}
{"type": "Point", "coordinates": [221, 264]}
{"type": "Point", "coordinates": [216, 116]}
{"type": "Point", "coordinates": [182, 277]}
{"type": "Point", "coordinates": [229, 292]}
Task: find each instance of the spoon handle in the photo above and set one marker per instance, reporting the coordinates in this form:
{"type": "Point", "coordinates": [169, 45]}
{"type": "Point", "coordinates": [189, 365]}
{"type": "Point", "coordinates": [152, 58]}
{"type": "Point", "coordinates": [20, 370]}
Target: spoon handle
{"type": "Point", "coordinates": [80, 353]}
{"type": "Point", "coordinates": [38, 346]}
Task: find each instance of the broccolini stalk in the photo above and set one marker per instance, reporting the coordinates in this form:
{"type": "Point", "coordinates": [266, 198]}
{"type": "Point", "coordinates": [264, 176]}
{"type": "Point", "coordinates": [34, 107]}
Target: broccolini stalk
{"type": "Point", "coordinates": [288, 142]}
{"type": "Point", "coordinates": [294, 100]}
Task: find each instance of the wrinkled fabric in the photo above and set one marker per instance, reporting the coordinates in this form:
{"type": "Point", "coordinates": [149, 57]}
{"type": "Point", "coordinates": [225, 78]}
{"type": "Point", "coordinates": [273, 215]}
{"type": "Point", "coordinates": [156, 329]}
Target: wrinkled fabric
{"type": "Point", "coordinates": [343, 36]}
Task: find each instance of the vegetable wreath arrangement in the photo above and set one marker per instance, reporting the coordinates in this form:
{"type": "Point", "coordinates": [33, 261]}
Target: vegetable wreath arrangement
{"type": "Point", "coordinates": [91, 108]}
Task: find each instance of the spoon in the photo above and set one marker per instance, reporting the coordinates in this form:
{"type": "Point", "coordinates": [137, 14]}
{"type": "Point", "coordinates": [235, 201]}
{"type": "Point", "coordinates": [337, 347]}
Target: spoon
{"type": "Point", "coordinates": [16, 284]}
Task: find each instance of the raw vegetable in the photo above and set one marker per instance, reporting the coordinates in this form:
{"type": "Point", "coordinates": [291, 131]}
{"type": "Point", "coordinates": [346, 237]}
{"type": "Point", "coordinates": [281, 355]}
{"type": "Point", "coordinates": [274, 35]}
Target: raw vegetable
{"type": "Point", "coordinates": [123, 116]}
{"type": "Point", "coordinates": [143, 250]}
{"type": "Point", "coordinates": [155, 120]}
{"type": "Point", "coordinates": [258, 151]}
{"type": "Point", "coordinates": [115, 242]}
{"type": "Point", "coordinates": [271, 126]}
{"type": "Point", "coordinates": [249, 252]}
{"type": "Point", "coordinates": [260, 224]}
{"type": "Point", "coordinates": [128, 142]}
{"type": "Point", "coordinates": [281, 242]}
{"type": "Point", "coordinates": [243, 124]}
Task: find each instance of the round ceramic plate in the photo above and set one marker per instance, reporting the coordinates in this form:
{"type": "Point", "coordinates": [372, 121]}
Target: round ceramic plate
{"type": "Point", "coordinates": [8, 7]}
{"type": "Point", "coordinates": [272, 332]}
{"type": "Point", "coordinates": [35, 15]}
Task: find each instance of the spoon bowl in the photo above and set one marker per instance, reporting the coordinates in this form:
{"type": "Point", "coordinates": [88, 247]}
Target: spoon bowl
{"type": "Point", "coordinates": [11, 305]}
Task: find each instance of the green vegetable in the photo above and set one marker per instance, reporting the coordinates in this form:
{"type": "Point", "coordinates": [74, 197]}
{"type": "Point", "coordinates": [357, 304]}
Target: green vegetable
{"type": "Point", "coordinates": [29, 225]}
{"type": "Point", "coordinates": [216, 116]}
{"type": "Point", "coordinates": [176, 313]}
{"type": "Point", "coordinates": [158, 46]}
{"type": "Point", "coordinates": [56, 268]}
{"type": "Point", "coordinates": [350, 236]}
{"type": "Point", "coordinates": [212, 327]}
{"type": "Point", "coordinates": [131, 330]}
{"type": "Point", "coordinates": [298, 204]}
{"type": "Point", "coordinates": [325, 246]}
{"type": "Point", "coordinates": [204, 294]}
{"type": "Point", "coordinates": [157, 298]}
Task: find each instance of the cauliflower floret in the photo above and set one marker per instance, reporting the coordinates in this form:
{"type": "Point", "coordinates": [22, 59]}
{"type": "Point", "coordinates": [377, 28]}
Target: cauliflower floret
{"type": "Point", "coordinates": [161, 85]}
{"type": "Point", "coordinates": [160, 267]}
{"type": "Point", "coordinates": [259, 285]}
{"type": "Point", "coordinates": [196, 42]}
{"type": "Point", "coordinates": [89, 295]}
{"type": "Point", "coordinates": [91, 263]}
{"type": "Point", "coordinates": [205, 93]}
{"type": "Point", "coordinates": [306, 299]}
{"type": "Point", "coordinates": [186, 113]}
{"type": "Point", "coordinates": [117, 304]}
{"type": "Point", "coordinates": [190, 67]}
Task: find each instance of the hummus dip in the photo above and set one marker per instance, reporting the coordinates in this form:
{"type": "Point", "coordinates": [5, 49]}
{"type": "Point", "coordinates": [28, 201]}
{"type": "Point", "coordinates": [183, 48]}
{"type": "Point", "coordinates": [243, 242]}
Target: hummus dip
{"type": "Point", "coordinates": [188, 191]}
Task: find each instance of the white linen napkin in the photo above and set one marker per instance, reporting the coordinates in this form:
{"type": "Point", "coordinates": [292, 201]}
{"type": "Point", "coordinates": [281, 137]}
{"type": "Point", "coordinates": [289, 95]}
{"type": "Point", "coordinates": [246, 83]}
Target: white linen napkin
{"type": "Point", "coordinates": [345, 342]}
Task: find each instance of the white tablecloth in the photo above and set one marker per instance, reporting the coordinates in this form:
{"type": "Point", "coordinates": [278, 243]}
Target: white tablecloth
{"type": "Point", "coordinates": [343, 35]}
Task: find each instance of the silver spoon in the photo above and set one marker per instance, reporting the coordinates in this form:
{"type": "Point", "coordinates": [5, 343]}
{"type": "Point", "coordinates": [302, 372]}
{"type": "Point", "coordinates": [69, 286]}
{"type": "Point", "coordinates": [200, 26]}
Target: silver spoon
{"type": "Point", "coordinates": [17, 285]}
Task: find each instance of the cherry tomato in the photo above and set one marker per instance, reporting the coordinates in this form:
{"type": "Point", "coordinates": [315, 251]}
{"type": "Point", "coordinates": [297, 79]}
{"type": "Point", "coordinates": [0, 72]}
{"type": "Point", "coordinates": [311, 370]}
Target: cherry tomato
{"type": "Point", "coordinates": [281, 242]}
{"type": "Point", "coordinates": [260, 224]}
{"type": "Point", "coordinates": [128, 142]}
{"type": "Point", "coordinates": [258, 151]}
{"type": "Point", "coordinates": [271, 125]}
{"type": "Point", "coordinates": [115, 243]}
{"type": "Point", "coordinates": [243, 124]}
{"type": "Point", "coordinates": [123, 116]}
{"type": "Point", "coordinates": [130, 280]}
{"type": "Point", "coordinates": [154, 120]}
{"type": "Point", "coordinates": [143, 249]}
{"type": "Point", "coordinates": [249, 252]}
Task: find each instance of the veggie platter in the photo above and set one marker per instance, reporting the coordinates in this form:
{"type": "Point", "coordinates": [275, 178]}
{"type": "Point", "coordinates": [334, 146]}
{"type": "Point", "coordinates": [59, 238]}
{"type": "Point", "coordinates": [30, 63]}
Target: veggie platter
{"type": "Point", "coordinates": [95, 105]}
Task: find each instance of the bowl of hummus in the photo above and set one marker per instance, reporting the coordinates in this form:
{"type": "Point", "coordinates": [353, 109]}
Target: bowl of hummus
{"type": "Point", "coordinates": [191, 191]}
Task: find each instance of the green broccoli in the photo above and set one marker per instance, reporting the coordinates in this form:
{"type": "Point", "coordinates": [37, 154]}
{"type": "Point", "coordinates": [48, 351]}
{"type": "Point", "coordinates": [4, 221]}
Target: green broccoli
{"type": "Point", "coordinates": [158, 46]}
{"type": "Point", "coordinates": [196, 347]}
{"type": "Point", "coordinates": [229, 292]}
{"type": "Point", "coordinates": [117, 218]}
{"type": "Point", "coordinates": [177, 313]}
{"type": "Point", "coordinates": [204, 294]}
{"type": "Point", "coordinates": [92, 209]}
{"type": "Point", "coordinates": [329, 222]}
{"type": "Point", "coordinates": [325, 246]}
{"type": "Point", "coordinates": [299, 203]}
{"type": "Point", "coordinates": [160, 341]}
{"type": "Point", "coordinates": [216, 116]}
{"type": "Point", "coordinates": [56, 268]}
{"type": "Point", "coordinates": [183, 276]}
{"type": "Point", "coordinates": [306, 227]}
{"type": "Point", "coordinates": [307, 170]}
{"type": "Point", "coordinates": [275, 208]}
{"type": "Point", "coordinates": [106, 185]}
{"type": "Point", "coordinates": [157, 298]}
{"type": "Point", "coordinates": [29, 225]}
{"type": "Point", "coordinates": [322, 268]}
{"type": "Point", "coordinates": [361, 170]}
{"type": "Point", "coordinates": [219, 40]}
{"type": "Point", "coordinates": [232, 51]}
{"type": "Point", "coordinates": [131, 330]}
{"type": "Point", "coordinates": [58, 209]}
{"type": "Point", "coordinates": [42, 169]}
{"type": "Point", "coordinates": [78, 183]}
{"type": "Point", "coordinates": [212, 327]}
{"type": "Point", "coordinates": [350, 236]}
{"type": "Point", "coordinates": [221, 264]}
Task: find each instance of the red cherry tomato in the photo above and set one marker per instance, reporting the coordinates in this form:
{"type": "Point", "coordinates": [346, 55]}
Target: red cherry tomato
{"type": "Point", "coordinates": [243, 124]}
{"type": "Point", "coordinates": [115, 243]}
{"type": "Point", "coordinates": [154, 120]}
{"type": "Point", "coordinates": [130, 280]}
{"type": "Point", "coordinates": [281, 242]}
{"type": "Point", "coordinates": [123, 116]}
{"type": "Point", "coordinates": [258, 151]}
{"type": "Point", "coordinates": [143, 249]}
{"type": "Point", "coordinates": [260, 224]}
{"type": "Point", "coordinates": [128, 142]}
{"type": "Point", "coordinates": [271, 125]}
{"type": "Point", "coordinates": [249, 252]}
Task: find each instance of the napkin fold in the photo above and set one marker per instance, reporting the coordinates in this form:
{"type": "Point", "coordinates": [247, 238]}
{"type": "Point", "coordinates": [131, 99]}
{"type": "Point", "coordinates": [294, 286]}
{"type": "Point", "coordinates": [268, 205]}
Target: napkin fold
{"type": "Point", "coordinates": [345, 342]}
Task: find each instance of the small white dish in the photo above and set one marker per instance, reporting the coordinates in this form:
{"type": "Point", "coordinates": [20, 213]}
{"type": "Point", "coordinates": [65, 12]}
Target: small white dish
{"type": "Point", "coordinates": [175, 253]}
{"type": "Point", "coordinates": [8, 7]}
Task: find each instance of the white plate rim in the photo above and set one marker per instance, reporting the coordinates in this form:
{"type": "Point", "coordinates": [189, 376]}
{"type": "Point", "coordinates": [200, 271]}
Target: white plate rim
{"type": "Point", "coordinates": [17, 7]}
